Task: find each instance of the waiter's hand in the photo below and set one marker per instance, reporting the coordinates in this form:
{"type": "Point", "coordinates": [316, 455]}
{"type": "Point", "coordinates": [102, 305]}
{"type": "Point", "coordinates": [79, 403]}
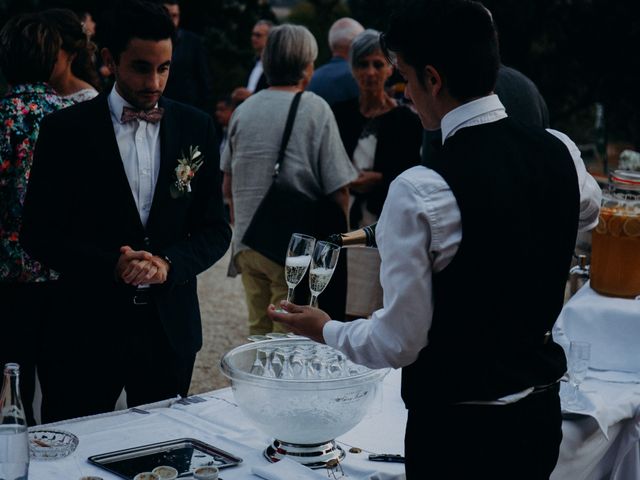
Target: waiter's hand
{"type": "Point", "coordinates": [305, 321]}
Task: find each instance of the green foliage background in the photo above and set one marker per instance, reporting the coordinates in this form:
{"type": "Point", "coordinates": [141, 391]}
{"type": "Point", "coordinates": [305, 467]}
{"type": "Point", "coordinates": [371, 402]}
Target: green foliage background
{"type": "Point", "coordinates": [578, 52]}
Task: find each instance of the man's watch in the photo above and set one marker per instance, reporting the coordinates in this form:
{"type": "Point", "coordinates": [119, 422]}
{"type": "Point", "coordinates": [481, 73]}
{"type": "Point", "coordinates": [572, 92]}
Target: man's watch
{"type": "Point", "coordinates": [168, 260]}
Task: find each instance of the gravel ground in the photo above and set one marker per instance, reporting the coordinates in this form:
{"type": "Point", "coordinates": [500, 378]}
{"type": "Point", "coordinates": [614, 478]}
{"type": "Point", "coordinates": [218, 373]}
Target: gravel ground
{"type": "Point", "coordinates": [224, 324]}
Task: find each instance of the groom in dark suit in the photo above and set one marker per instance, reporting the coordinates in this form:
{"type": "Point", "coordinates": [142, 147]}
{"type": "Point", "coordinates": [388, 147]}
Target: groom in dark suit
{"type": "Point", "coordinates": [123, 201]}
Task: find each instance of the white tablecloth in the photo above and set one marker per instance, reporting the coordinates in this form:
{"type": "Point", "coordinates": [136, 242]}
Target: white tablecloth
{"type": "Point", "coordinates": [601, 443]}
{"type": "Point", "coordinates": [219, 422]}
{"type": "Point", "coordinates": [603, 440]}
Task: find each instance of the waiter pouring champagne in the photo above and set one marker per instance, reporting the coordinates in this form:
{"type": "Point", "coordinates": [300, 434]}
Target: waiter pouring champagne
{"type": "Point", "coordinates": [480, 370]}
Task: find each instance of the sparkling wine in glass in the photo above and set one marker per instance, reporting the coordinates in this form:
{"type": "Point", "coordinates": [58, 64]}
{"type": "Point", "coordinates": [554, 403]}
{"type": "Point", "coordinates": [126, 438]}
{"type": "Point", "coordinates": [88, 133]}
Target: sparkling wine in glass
{"type": "Point", "coordinates": [323, 263]}
{"type": "Point", "coordinates": [297, 261]}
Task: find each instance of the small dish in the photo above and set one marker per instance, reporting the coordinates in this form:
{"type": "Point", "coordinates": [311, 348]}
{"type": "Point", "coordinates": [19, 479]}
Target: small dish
{"type": "Point", "coordinates": [205, 473]}
{"type": "Point", "coordinates": [166, 472]}
{"type": "Point", "coordinates": [146, 476]}
{"type": "Point", "coordinates": [51, 444]}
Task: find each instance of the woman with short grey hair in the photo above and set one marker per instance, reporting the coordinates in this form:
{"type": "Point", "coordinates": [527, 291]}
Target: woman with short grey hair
{"type": "Point", "coordinates": [366, 43]}
{"type": "Point", "coordinates": [383, 139]}
{"type": "Point", "coordinates": [315, 164]}
{"type": "Point", "coordinates": [289, 55]}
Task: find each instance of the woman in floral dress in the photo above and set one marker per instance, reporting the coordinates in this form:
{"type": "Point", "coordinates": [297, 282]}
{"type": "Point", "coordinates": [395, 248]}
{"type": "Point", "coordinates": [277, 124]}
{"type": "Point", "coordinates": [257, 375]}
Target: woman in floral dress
{"type": "Point", "coordinates": [28, 51]}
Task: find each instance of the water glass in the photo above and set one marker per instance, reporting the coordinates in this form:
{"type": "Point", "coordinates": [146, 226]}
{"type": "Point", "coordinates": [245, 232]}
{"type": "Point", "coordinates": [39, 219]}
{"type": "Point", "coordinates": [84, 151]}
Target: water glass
{"type": "Point", "coordinates": [579, 357]}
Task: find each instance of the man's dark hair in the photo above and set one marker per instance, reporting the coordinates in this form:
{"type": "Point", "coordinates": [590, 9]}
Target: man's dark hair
{"type": "Point", "coordinates": [135, 19]}
{"type": "Point", "coordinates": [457, 37]}
{"type": "Point", "coordinates": [29, 47]}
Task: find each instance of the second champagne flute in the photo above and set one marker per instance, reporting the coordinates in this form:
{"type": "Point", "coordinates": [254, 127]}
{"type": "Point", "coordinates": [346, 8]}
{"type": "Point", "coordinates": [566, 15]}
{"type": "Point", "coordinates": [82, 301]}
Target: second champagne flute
{"type": "Point", "coordinates": [323, 263]}
{"type": "Point", "coordinates": [298, 259]}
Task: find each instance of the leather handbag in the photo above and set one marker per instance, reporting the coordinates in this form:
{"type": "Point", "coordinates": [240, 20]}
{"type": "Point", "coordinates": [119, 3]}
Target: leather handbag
{"type": "Point", "coordinates": [284, 210]}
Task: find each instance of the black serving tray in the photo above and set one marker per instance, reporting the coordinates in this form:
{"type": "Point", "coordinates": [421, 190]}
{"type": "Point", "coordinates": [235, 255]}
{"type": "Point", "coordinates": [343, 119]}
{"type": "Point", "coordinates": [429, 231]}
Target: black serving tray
{"type": "Point", "coordinates": [183, 454]}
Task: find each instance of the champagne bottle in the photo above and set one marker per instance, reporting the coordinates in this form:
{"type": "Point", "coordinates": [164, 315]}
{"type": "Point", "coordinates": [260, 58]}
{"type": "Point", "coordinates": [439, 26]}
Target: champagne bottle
{"type": "Point", "coordinates": [363, 237]}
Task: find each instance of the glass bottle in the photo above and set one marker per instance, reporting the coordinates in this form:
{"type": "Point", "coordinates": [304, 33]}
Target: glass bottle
{"type": "Point", "coordinates": [14, 438]}
{"type": "Point", "coordinates": [363, 237]}
{"type": "Point", "coordinates": [615, 242]}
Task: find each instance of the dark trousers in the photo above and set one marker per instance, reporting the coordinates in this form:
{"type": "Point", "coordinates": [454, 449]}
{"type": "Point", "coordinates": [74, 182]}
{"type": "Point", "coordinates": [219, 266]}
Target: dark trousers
{"type": "Point", "coordinates": [519, 440]}
{"type": "Point", "coordinates": [131, 351]}
{"type": "Point", "coordinates": [24, 308]}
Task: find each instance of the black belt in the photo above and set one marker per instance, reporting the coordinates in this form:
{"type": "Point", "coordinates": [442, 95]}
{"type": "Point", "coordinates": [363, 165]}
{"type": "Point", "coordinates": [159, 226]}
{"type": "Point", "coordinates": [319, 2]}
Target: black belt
{"type": "Point", "coordinates": [544, 388]}
{"type": "Point", "coordinates": [142, 296]}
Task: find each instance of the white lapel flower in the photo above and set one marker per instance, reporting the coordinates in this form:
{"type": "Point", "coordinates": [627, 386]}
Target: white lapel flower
{"type": "Point", "coordinates": [185, 171]}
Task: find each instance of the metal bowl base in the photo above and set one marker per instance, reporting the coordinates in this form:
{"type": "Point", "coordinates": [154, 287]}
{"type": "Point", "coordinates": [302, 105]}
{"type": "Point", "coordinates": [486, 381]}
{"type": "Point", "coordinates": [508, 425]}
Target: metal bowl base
{"type": "Point", "coordinates": [312, 456]}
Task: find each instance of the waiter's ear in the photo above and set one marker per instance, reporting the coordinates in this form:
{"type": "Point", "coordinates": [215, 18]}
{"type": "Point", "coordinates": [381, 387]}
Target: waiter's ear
{"type": "Point", "coordinates": [432, 79]}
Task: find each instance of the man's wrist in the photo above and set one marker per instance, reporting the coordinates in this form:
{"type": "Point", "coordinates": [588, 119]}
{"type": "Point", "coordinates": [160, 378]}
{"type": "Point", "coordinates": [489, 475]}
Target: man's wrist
{"type": "Point", "coordinates": [167, 260]}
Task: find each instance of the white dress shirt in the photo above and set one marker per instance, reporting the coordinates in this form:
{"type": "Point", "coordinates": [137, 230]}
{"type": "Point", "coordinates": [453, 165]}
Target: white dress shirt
{"type": "Point", "coordinates": [139, 145]}
{"type": "Point", "coordinates": [255, 75]}
{"type": "Point", "coordinates": [418, 233]}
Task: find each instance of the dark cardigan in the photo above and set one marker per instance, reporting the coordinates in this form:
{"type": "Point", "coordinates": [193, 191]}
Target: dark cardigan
{"type": "Point", "coordinates": [399, 134]}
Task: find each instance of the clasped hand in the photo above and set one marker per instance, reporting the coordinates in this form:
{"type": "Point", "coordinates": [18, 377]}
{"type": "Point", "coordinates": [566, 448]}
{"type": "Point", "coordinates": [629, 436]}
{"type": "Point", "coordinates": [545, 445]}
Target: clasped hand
{"type": "Point", "coordinates": [137, 267]}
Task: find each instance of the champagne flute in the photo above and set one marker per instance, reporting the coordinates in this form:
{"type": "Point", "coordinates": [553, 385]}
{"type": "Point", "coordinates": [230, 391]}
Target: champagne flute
{"type": "Point", "coordinates": [298, 259]}
{"type": "Point", "coordinates": [323, 263]}
{"type": "Point", "coordinates": [579, 356]}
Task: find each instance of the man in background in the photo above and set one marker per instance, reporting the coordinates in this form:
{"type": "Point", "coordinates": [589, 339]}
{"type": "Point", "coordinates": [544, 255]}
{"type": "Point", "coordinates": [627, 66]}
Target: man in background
{"type": "Point", "coordinates": [224, 109]}
{"type": "Point", "coordinates": [189, 81]}
{"type": "Point", "coordinates": [333, 81]}
{"type": "Point", "coordinates": [257, 80]}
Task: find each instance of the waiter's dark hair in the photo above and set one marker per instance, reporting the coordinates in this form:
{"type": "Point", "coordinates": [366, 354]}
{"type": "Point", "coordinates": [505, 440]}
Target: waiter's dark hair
{"type": "Point", "coordinates": [29, 47]}
{"type": "Point", "coordinates": [456, 37]}
{"type": "Point", "coordinates": [130, 19]}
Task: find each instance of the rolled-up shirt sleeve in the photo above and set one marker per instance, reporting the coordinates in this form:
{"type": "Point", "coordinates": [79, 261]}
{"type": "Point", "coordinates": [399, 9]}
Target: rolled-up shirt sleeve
{"type": "Point", "coordinates": [590, 192]}
{"type": "Point", "coordinates": [408, 236]}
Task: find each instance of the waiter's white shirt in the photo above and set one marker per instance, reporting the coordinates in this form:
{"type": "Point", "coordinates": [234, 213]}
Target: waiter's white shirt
{"type": "Point", "coordinates": [418, 233]}
{"type": "Point", "coordinates": [139, 145]}
{"type": "Point", "coordinates": [254, 76]}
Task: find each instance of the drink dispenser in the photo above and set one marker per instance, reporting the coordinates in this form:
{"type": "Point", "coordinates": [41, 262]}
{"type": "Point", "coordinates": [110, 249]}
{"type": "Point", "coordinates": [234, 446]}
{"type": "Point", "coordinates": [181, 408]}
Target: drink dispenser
{"type": "Point", "coordinates": [615, 249]}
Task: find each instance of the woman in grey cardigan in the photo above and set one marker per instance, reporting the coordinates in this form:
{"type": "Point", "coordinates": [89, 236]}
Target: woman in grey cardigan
{"type": "Point", "coordinates": [315, 163]}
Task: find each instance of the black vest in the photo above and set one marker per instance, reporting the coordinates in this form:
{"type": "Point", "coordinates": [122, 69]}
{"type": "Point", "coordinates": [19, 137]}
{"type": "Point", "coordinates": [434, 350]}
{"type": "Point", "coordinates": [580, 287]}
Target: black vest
{"type": "Point", "coordinates": [518, 195]}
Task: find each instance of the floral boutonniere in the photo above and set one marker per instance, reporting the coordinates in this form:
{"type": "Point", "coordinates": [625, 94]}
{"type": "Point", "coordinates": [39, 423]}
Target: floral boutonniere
{"type": "Point", "coordinates": [185, 171]}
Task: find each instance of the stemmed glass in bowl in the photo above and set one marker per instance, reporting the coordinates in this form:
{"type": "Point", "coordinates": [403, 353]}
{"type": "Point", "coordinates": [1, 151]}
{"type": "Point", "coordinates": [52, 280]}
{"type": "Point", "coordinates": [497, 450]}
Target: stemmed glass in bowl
{"type": "Point", "coordinates": [298, 259]}
{"type": "Point", "coordinates": [323, 263]}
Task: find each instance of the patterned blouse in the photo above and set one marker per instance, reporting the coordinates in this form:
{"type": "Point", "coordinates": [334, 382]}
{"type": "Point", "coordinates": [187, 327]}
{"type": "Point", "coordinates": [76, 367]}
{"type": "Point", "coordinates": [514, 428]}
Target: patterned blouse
{"type": "Point", "coordinates": [21, 111]}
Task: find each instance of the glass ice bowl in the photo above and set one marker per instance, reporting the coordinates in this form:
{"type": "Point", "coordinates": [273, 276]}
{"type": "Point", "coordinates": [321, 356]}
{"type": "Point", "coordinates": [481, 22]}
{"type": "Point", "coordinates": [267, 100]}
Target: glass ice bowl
{"type": "Point", "coordinates": [299, 391]}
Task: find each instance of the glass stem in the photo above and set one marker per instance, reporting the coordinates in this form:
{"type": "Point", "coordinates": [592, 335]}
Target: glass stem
{"type": "Point", "coordinates": [314, 300]}
{"type": "Point", "coordinates": [290, 295]}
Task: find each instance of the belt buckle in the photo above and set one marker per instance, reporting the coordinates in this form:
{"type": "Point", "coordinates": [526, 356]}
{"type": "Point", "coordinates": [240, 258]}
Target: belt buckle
{"type": "Point", "coordinates": [141, 298]}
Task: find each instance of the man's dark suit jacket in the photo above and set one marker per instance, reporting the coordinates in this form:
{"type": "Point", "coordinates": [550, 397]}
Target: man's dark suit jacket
{"type": "Point", "coordinates": [79, 211]}
{"type": "Point", "coordinates": [189, 79]}
{"type": "Point", "coordinates": [262, 81]}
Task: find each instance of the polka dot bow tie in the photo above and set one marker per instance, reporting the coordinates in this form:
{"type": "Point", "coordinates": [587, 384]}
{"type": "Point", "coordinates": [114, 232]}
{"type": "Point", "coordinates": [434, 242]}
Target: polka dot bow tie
{"type": "Point", "coordinates": [153, 115]}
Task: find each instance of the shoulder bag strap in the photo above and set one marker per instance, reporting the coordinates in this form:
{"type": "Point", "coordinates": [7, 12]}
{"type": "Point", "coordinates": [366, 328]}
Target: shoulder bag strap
{"type": "Point", "coordinates": [287, 133]}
